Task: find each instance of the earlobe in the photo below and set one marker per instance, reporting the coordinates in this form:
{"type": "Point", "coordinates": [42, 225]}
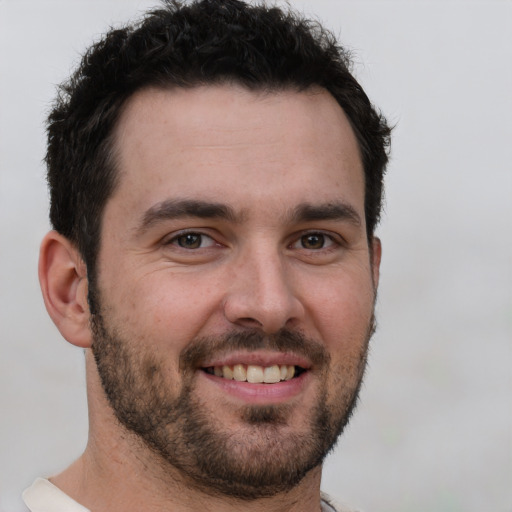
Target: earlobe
{"type": "Point", "coordinates": [63, 280]}
{"type": "Point", "coordinates": [376, 249]}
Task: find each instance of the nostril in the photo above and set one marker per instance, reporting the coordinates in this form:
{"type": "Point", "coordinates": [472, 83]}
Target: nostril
{"type": "Point", "coordinates": [248, 322]}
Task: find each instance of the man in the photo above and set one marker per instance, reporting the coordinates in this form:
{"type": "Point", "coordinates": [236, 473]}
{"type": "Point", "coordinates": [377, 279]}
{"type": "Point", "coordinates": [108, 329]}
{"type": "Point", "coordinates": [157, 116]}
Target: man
{"type": "Point", "coordinates": [216, 178]}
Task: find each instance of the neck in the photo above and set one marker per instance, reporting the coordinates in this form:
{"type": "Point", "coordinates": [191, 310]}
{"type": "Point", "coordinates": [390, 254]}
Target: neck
{"type": "Point", "coordinates": [110, 481]}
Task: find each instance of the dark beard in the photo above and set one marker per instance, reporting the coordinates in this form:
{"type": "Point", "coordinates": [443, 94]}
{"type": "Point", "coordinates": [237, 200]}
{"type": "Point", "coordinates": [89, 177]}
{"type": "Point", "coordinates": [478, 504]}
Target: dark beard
{"type": "Point", "coordinates": [259, 462]}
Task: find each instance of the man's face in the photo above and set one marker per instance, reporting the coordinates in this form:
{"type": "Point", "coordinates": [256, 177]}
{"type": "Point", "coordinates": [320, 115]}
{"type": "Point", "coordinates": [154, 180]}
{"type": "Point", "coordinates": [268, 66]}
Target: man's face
{"type": "Point", "coordinates": [235, 282]}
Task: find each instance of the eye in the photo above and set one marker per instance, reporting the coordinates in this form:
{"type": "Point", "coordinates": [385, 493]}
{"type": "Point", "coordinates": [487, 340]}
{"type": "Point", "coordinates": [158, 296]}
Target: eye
{"type": "Point", "coordinates": [313, 242]}
{"type": "Point", "coordinates": [192, 241]}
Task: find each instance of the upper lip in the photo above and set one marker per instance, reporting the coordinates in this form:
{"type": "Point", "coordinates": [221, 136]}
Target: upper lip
{"type": "Point", "coordinates": [258, 358]}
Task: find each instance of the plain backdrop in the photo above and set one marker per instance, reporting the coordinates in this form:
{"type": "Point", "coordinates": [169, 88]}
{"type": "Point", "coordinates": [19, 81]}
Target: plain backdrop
{"type": "Point", "coordinates": [434, 426]}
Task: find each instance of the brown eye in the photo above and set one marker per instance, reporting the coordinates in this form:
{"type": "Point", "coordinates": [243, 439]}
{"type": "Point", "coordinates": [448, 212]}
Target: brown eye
{"type": "Point", "coordinates": [189, 241]}
{"type": "Point", "coordinates": [313, 241]}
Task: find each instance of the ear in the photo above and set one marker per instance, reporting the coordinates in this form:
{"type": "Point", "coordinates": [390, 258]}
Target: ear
{"type": "Point", "coordinates": [63, 280]}
{"type": "Point", "coordinates": [376, 255]}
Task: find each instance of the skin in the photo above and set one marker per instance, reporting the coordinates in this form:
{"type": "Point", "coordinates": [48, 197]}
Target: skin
{"type": "Point", "coordinates": [264, 156]}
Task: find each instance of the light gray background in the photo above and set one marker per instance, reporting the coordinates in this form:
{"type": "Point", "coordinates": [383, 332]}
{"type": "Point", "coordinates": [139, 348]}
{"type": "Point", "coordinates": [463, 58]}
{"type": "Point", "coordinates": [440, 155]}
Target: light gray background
{"type": "Point", "coordinates": [433, 430]}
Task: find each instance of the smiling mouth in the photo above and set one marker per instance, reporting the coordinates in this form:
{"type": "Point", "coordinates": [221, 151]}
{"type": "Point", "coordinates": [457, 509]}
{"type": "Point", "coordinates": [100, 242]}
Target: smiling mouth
{"type": "Point", "coordinates": [256, 374]}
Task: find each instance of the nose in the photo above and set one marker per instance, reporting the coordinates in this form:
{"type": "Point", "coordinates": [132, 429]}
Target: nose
{"type": "Point", "coordinates": [262, 293]}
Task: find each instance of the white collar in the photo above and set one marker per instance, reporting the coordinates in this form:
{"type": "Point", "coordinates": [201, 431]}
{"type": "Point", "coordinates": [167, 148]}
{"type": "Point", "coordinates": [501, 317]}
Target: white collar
{"type": "Point", "coordinates": [43, 496]}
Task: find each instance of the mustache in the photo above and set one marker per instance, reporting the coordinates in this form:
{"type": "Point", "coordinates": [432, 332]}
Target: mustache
{"type": "Point", "coordinates": [285, 340]}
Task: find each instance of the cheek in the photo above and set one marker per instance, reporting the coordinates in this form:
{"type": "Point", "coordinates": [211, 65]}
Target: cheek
{"type": "Point", "coordinates": [167, 306]}
{"type": "Point", "coordinates": [344, 322]}
{"type": "Point", "coordinates": [342, 310]}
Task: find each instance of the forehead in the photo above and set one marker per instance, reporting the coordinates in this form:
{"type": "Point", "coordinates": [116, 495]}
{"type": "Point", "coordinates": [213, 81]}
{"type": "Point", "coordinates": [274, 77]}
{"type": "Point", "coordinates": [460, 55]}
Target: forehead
{"type": "Point", "coordinates": [226, 142]}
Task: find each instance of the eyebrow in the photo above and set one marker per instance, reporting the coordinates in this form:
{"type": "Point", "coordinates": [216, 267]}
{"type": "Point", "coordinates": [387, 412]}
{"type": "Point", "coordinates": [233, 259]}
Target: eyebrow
{"type": "Point", "coordinates": [180, 208]}
{"type": "Point", "coordinates": [331, 211]}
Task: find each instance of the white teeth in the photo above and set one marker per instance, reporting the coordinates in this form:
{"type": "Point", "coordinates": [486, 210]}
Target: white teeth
{"type": "Point", "coordinates": [272, 374]}
{"type": "Point", "coordinates": [256, 374]}
{"type": "Point", "coordinates": [227, 372]}
{"type": "Point", "coordinates": [239, 372]}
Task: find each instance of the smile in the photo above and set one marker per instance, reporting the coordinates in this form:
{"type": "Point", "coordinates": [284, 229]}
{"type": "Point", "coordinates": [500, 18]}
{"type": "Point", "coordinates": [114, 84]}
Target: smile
{"type": "Point", "coordinates": [256, 374]}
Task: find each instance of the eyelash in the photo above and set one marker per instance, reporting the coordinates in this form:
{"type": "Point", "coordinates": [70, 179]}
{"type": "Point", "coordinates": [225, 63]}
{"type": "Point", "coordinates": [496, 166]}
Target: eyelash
{"type": "Point", "coordinates": [329, 241]}
{"type": "Point", "coordinates": [201, 236]}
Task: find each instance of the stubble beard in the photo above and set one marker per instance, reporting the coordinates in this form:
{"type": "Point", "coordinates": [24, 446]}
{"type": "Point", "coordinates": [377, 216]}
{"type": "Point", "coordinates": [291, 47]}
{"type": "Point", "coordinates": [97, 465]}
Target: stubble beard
{"type": "Point", "coordinates": [264, 458]}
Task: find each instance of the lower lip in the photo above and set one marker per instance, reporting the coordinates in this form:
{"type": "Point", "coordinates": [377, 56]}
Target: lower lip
{"type": "Point", "coordinates": [260, 393]}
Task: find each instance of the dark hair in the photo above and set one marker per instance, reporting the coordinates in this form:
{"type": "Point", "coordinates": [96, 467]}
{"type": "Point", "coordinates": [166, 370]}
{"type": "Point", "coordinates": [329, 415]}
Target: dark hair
{"type": "Point", "coordinates": [187, 45]}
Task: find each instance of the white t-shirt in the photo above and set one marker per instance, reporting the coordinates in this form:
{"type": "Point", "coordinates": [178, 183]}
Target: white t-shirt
{"type": "Point", "coordinates": [43, 496]}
